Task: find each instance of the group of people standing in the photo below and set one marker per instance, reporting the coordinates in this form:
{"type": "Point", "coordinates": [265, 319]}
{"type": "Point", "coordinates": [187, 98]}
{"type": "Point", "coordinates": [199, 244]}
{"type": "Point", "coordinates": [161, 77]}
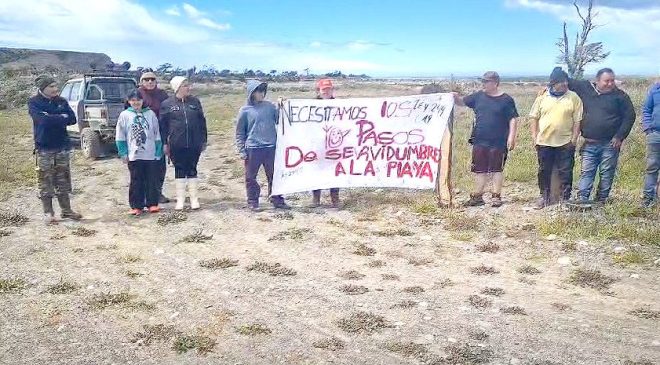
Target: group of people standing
{"type": "Point", "coordinates": [156, 127]}
{"type": "Point", "coordinates": [602, 114]}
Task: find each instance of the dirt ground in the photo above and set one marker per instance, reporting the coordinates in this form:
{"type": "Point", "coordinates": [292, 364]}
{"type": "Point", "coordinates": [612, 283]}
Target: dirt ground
{"type": "Point", "coordinates": [381, 281]}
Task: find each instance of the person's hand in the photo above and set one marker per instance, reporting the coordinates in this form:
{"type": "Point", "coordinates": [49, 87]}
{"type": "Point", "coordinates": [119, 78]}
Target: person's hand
{"type": "Point", "coordinates": [456, 95]}
{"type": "Point", "coordinates": [243, 156]}
{"type": "Point", "coordinates": [511, 143]}
{"type": "Point", "coordinates": [124, 159]}
{"type": "Point", "coordinates": [203, 147]}
{"type": "Point", "coordinates": [166, 150]}
{"type": "Point", "coordinates": [616, 143]}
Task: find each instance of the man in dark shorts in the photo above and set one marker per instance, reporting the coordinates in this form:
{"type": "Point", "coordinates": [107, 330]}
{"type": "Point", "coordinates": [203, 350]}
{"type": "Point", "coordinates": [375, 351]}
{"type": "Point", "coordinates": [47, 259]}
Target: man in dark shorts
{"type": "Point", "coordinates": [493, 134]}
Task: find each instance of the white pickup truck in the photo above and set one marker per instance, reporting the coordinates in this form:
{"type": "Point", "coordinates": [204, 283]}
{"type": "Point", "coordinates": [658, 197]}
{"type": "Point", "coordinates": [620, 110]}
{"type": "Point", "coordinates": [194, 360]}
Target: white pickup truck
{"type": "Point", "coordinates": [97, 99]}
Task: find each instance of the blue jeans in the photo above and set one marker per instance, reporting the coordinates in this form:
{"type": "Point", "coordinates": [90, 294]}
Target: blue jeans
{"type": "Point", "coordinates": [598, 157]}
{"type": "Point", "coordinates": [652, 168]}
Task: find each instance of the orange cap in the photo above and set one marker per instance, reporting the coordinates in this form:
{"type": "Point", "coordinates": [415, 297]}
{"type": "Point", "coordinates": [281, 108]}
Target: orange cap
{"type": "Point", "coordinates": [324, 84]}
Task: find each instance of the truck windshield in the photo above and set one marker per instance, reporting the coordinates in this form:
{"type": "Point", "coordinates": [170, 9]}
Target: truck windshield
{"type": "Point", "coordinates": [114, 90]}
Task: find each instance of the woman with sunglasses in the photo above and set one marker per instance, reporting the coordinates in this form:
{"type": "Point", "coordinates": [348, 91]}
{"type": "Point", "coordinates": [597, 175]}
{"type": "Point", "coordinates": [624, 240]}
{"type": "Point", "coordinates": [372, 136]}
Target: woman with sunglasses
{"type": "Point", "coordinates": [152, 97]}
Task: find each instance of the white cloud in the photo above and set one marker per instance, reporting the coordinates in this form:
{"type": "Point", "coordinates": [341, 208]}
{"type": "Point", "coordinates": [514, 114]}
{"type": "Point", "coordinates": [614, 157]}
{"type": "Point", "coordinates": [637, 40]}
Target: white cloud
{"type": "Point", "coordinates": [192, 11]}
{"type": "Point", "coordinates": [633, 29]}
{"type": "Point", "coordinates": [130, 31]}
{"type": "Point", "coordinates": [174, 11]}
{"type": "Point", "coordinates": [213, 25]}
{"type": "Point", "coordinates": [77, 24]}
{"type": "Point", "coordinates": [360, 45]}
{"type": "Point", "coordinates": [315, 44]}
{"type": "Point", "coordinates": [200, 18]}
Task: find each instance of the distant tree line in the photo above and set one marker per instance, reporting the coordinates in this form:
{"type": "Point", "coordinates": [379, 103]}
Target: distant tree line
{"type": "Point", "coordinates": [209, 73]}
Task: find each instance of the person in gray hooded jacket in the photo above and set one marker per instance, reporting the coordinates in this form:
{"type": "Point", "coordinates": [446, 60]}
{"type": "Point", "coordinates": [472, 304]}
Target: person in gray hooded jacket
{"type": "Point", "coordinates": [256, 138]}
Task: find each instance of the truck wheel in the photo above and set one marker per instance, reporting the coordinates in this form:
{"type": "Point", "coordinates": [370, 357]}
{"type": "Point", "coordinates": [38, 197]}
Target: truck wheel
{"type": "Point", "coordinates": [90, 143]}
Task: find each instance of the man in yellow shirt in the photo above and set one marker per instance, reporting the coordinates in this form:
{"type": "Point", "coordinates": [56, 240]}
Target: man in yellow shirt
{"type": "Point", "coordinates": [555, 122]}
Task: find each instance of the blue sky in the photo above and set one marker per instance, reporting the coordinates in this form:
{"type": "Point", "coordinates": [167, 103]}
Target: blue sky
{"type": "Point", "coordinates": [381, 38]}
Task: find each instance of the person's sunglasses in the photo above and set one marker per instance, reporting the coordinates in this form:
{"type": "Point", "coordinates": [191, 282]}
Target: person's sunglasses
{"type": "Point", "coordinates": [147, 79]}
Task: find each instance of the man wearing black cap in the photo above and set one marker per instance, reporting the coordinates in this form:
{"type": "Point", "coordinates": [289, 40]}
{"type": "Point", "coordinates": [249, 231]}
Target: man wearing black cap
{"type": "Point", "coordinates": [608, 118]}
{"type": "Point", "coordinates": [555, 124]}
{"type": "Point", "coordinates": [50, 115]}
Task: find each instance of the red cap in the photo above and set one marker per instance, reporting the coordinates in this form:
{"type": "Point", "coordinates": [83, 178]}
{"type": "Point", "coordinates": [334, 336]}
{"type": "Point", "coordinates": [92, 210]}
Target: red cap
{"type": "Point", "coordinates": [324, 84]}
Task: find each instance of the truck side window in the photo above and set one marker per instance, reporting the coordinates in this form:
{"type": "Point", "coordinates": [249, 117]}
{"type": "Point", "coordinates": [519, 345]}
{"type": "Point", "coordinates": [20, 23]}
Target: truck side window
{"type": "Point", "coordinates": [66, 90]}
{"type": "Point", "coordinates": [75, 91]}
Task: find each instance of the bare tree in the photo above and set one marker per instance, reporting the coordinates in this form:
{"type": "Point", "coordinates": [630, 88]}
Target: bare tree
{"type": "Point", "coordinates": [583, 52]}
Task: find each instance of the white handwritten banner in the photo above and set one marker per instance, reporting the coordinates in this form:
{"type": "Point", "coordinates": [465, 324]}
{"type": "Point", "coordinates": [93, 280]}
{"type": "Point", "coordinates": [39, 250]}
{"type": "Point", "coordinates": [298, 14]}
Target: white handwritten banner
{"type": "Point", "coordinates": [360, 142]}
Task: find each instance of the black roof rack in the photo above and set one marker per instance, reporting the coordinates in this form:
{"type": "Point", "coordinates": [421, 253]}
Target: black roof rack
{"type": "Point", "coordinates": [131, 74]}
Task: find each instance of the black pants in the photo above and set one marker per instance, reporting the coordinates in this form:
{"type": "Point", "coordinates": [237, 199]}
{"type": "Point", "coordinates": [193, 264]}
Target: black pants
{"type": "Point", "coordinates": [185, 162]}
{"type": "Point", "coordinates": [257, 157]}
{"type": "Point", "coordinates": [162, 171]}
{"type": "Point", "coordinates": [144, 183]}
{"type": "Point", "coordinates": [564, 159]}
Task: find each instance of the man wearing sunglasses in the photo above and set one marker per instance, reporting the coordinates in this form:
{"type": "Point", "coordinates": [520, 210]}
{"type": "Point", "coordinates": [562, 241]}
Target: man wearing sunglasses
{"type": "Point", "coordinates": [152, 98]}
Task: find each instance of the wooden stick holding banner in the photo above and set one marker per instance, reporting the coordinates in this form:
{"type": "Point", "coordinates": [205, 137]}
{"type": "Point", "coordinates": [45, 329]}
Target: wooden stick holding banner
{"type": "Point", "coordinates": [360, 142]}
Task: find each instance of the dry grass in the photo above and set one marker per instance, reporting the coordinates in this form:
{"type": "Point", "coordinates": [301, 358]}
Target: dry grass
{"type": "Point", "coordinates": [105, 300]}
{"type": "Point", "coordinates": [62, 287]}
{"type": "Point", "coordinates": [479, 302]}
{"type": "Point", "coordinates": [151, 333]}
{"type": "Point", "coordinates": [478, 335]}
{"type": "Point", "coordinates": [291, 233]}
{"type": "Point", "coordinates": [484, 270]}
{"type": "Point", "coordinates": [457, 221]}
{"type": "Point", "coordinates": [185, 343]}
{"type": "Point", "coordinates": [443, 284]}
{"type": "Point", "coordinates": [591, 279]}
{"type": "Point", "coordinates": [129, 259]}
{"type": "Point", "coordinates": [392, 277]}
{"type": "Point", "coordinates": [364, 250]}
{"type": "Point", "coordinates": [413, 290]}
{"type": "Point", "coordinates": [253, 329]}
{"type": "Point", "coordinates": [133, 274]}
{"type": "Point", "coordinates": [83, 232]}
{"type": "Point", "coordinates": [561, 307]}
{"type": "Point", "coordinates": [275, 269]}
{"type": "Point", "coordinates": [420, 261]}
{"type": "Point", "coordinates": [196, 237]}
{"type": "Point", "coordinates": [351, 275]}
{"type": "Point", "coordinates": [468, 354]}
{"type": "Point", "coordinates": [408, 349]}
{"type": "Point", "coordinates": [405, 304]}
{"type": "Point", "coordinates": [331, 344]}
{"type": "Point", "coordinates": [629, 258]}
{"type": "Point", "coordinates": [215, 264]}
{"type": "Point", "coordinates": [394, 232]}
{"type": "Point", "coordinates": [11, 286]}
{"type": "Point", "coordinates": [12, 219]}
{"type": "Point", "coordinates": [351, 289]}
{"type": "Point", "coordinates": [495, 292]}
{"type": "Point", "coordinates": [377, 263]}
{"type": "Point", "coordinates": [362, 322]}
{"type": "Point", "coordinates": [284, 216]}
{"type": "Point", "coordinates": [489, 247]}
{"type": "Point", "coordinates": [514, 310]}
{"type": "Point", "coordinates": [171, 218]}
{"type": "Point", "coordinates": [645, 313]}
{"type": "Point", "coordinates": [529, 270]}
